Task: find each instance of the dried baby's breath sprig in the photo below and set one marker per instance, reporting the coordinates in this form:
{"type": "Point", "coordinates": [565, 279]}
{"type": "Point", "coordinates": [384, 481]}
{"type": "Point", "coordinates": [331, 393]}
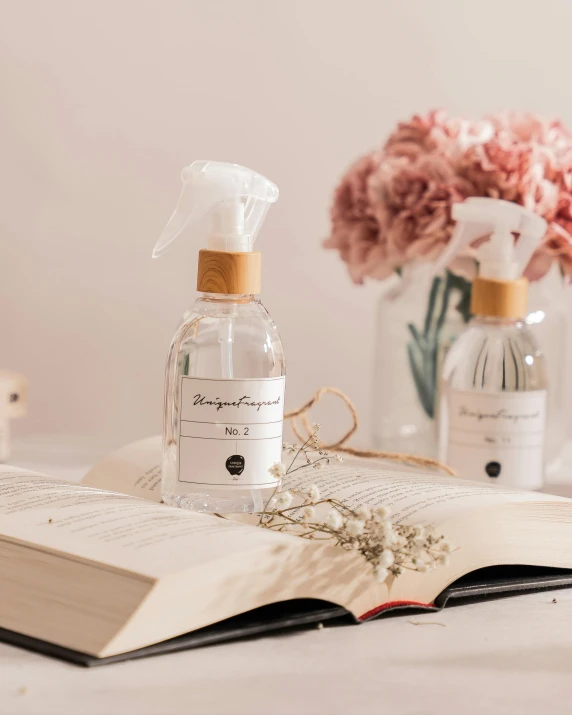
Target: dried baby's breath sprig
{"type": "Point", "coordinates": [389, 548]}
{"type": "Point", "coordinates": [309, 453]}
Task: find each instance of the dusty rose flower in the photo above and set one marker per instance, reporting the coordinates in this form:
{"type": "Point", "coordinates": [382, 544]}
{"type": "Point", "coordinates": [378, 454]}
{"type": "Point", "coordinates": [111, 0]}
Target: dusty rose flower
{"type": "Point", "coordinates": [412, 201]}
{"type": "Point", "coordinates": [394, 206]}
{"type": "Point", "coordinates": [563, 215]}
{"type": "Point", "coordinates": [414, 137]}
{"type": "Point", "coordinates": [496, 168]}
{"type": "Point", "coordinates": [355, 230]}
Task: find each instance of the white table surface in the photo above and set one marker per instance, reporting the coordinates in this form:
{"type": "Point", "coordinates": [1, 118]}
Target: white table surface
{"type": "Point", "coordinates": [510, 656]}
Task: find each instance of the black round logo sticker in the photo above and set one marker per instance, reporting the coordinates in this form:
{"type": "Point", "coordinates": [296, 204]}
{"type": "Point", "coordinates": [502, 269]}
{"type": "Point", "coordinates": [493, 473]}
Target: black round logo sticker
{"type": "Point", "coordinates": [493, 469]}
{"type": "Point", "coordinates": [235, 464]}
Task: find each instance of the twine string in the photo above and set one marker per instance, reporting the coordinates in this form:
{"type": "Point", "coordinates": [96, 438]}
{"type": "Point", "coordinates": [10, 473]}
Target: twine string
{"type": "Point", "coordinates": [299, 421]}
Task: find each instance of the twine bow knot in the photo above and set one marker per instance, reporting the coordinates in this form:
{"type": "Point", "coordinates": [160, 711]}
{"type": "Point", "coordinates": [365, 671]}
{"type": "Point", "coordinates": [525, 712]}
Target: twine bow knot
{"type": "Point", "coordinates": [299, 421]}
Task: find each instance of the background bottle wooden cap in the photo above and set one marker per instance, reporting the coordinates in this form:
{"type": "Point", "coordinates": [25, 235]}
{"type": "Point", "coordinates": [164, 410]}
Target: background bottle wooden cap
{"type": "Point", "coordinates": [499, 298]}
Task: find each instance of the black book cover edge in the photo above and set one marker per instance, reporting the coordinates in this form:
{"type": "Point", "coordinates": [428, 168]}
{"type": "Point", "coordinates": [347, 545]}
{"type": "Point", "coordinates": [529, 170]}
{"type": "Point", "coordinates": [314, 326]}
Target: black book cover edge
{"type": "Point", "coordinates": [493, 582]}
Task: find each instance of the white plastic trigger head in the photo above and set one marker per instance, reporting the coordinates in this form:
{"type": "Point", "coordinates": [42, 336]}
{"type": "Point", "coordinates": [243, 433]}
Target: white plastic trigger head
{"type": "Point", "coordinates": [222, 204]}
{"type": "Point", "coordinates": [479, 217]}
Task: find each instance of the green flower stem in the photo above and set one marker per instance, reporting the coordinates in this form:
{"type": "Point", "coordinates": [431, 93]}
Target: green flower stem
{"type": "Point", "coordinates": [423, 350]}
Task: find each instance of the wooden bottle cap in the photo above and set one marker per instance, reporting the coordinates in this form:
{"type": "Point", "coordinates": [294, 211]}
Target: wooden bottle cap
{"type": "Point", "coordinates": [499, 298]}
{"type": "Point", "coordinates": [229, 273]}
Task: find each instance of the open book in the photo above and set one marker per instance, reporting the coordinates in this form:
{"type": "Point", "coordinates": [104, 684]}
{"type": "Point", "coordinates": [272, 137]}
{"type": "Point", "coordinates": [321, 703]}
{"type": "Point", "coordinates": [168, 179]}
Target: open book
{"type": "Point", "coordinates": [104, 569]}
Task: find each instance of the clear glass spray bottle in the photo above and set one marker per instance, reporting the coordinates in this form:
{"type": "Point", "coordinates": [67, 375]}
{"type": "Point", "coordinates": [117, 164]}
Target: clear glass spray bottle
{"type": "Point", "coordinates": [224, 387]}
{"type": "Point", "coordinates": [494, 381]}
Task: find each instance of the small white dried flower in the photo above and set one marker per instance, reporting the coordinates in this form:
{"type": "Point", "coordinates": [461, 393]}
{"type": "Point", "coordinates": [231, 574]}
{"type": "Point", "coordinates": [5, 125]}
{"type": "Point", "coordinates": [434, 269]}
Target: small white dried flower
{"type": "Point", "coordinates": [315, 427]}
{"type": "Point", "coordinates": [446, 547]}
{"type": "Point", "coordinates": [307, 513]}
{"type": "Point", "coordinates": [380, 573]}
{"type": "Point", "coordinates": [364, 513]}
{"type": "Point", "coordinates": [381, 513]}
{"type": "Point", "coordinates": [278, 470]}
{"type": "Point", "coordinates": [318, 465]}
{"type": "Point", "coordinates": [444, 559]}
{"type": "Point", "coordinates": [421, 566]}
{"type": "Point", "coordinates": [419, 533]}
{"type": "Point", "coordinates": [355, 527]}
{"type": "Point", "coordinates": [334, 519]}
{"type": "Point", "coordinates": [284, 500]}
{"type": "Point", "coordinates": [388, 533]}
{"type": "Point", "coordinates": [338, 458]}
{"type": "Point", "coordinates": [314, 493]}
{"type": "Point", "coordinates": [386, 559]}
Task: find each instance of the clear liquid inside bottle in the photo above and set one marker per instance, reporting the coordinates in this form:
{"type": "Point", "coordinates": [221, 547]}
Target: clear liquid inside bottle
{"type": "Point", "coordinates": [494, 357]}
{"type": "Point", "coordinates": [222, 337]}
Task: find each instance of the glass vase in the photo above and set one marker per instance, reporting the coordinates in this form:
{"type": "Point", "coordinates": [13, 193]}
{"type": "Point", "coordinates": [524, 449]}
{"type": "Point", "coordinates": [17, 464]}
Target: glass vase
{"type": "Point", "coordinates": [548, 318]}
{"type": "Point", "coordinates": [417, 321]}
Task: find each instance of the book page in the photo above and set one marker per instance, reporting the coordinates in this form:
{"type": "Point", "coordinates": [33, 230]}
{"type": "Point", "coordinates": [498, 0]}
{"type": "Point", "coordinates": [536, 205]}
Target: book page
{"type": "Point", "coordinates": [134, 470]}
{"type": "Point", "coordinates": [412, 497]}
{"type": "Point", "coordinates": [118, 530]}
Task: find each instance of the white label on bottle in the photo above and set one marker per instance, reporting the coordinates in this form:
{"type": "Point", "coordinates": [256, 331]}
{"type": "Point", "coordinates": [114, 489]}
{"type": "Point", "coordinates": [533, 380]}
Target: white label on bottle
{"type": "Point", "coordinates": [497, 437]}
{"type": "Point", "coordinates": [230, 431]}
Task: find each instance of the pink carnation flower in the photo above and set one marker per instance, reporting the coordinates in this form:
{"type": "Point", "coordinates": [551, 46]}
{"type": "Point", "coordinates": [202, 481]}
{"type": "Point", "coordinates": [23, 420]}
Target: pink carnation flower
{"type": "Point", "coordinates": [394, 206]}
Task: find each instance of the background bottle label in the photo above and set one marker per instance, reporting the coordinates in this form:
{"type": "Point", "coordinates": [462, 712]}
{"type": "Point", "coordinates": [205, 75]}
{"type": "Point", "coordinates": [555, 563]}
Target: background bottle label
{"type": "Point", "coordinates": [497, 437]}
{"type": "Point", "coordinates": [230, 431]}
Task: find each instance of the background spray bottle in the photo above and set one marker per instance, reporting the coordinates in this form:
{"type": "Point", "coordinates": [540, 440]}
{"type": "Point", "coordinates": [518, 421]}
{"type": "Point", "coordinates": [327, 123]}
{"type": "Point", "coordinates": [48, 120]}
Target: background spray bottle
{"type": "Point", "coordinates": [494, 380]}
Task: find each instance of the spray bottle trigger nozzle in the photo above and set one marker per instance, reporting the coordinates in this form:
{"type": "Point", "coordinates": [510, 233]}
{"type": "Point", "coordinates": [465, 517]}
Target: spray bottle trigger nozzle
{"type": "Point", "coordinates": [479, 217]}
{"type": "Point", "coordinates": [225, 204]}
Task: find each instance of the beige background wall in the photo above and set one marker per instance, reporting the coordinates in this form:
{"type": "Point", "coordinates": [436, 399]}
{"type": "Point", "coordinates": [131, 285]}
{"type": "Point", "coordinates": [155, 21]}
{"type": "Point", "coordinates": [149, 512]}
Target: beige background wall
{"type": "Point", "coordinates": [104, 102]}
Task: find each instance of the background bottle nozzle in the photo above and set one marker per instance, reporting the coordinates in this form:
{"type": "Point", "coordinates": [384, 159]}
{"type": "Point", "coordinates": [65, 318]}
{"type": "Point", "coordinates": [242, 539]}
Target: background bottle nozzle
{"type": "Point", "coordinates": [500, 256]}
